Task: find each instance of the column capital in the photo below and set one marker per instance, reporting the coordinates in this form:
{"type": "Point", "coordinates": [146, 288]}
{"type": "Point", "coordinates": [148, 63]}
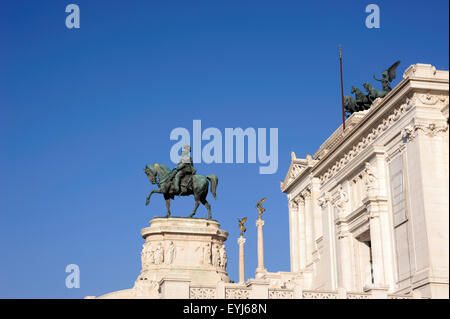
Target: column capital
{"type": "Point", "coordinates": [324, 199]}
{"type": "Point", "coordinates": [293, 204]}
{"type": "Point", "coordinates": [259, 223]}
{"type": "Point", "coordinates": [241, 240]}
{"type": "Point", "coordinates": [306, 194]}
{"type": "Point", "coordinates": [299, 200]}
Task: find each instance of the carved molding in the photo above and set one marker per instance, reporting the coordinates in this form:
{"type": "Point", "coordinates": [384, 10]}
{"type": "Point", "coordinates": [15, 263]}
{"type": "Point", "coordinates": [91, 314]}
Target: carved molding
{"type": "Point", "coordinates": [324, 199]}
{"type": "Point", "coordinates": [297, 167]}
{"type": "Point", "coordinates": [370, 177]}
{"type": "Point", "coordinates": [237, 293]}
{"type": "Point", "coordinates": [341, 200]}
{"type": "Point", "coordinates": [358, 296]}
{"type": "Point", "coordinates": [281, 294]}
{"type": "Point", "coordinates": [432, 99]}
{"type": "Point", "coordinates": [408, 133]}
{"type": "Point", "coordinates": [429, 99]}
{"type": "Point", "coordinates": [430, 129]}
{"type": "Point", "coordinates": [294, 171]}
{"type": "Point", "coordinates": [368, 139]}
{"type": "Point", "coordinates": [319, 295]}
{"type": "Point", "coordinates": [202, 293]}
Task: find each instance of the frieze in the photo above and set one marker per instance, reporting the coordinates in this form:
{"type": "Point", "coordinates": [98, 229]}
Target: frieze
{"type": "Point", "coordinates": [237, 293]}
{"type": "Point", "coordinates": [368, 139]}
{"type": "Point", "coordinates": [370, 177]}
{"type": "Point", "coordinates": [280, 294]}
{"type": "Point", "coordinates": [202, 293]}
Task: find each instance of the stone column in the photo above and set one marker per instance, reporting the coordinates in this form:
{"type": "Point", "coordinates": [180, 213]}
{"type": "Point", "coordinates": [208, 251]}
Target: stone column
{"type": "Point", "coordinates": [315, 208]}
{"type": "Point", "coordinates": [345, 256]}
{"type": "Point", "coordinates": [301, 232]}
{"type": "Point", "coordinates": [293, 210]}
{"type": "Point", "coordinates": [387, 229]}
{"type": "Point", "coordinates": [309, 227]}
{"type": "Point", "coordinates": [376, 246]}
{"type": "Point", "coordinates": [260, 270]}
{"type": "Point", "coordinates": [379, 236]}
{"type": "Point", "coordinates": [241, 242]}
{"type": "Point", "coordinates": [345, 265]}
{"type": "Point", "coordinates": [329, 237]}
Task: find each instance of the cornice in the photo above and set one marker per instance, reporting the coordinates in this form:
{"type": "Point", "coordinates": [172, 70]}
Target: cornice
{"type": "Point", "coordinates": [422, 85]}
{"type": "Point", "coordinates": [383, 115]}
{"type": "Point", "coordinates": [299, 167]}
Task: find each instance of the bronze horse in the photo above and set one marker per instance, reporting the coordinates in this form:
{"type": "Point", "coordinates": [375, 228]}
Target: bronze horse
{"type": "Point", "coordinates": [198, 186]}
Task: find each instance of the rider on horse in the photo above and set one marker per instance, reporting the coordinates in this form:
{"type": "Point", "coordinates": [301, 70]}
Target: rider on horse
{"type": "Point", "coordinates": [185, 167]}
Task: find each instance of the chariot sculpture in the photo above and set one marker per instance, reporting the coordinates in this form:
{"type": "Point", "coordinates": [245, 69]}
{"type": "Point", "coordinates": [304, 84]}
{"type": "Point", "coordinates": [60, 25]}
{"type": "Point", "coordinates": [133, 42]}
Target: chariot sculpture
{"type": "Point", "coordinates": [363, 101]}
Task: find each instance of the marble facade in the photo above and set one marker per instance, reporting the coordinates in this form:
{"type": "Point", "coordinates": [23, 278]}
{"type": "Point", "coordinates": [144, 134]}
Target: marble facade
{"type": "Point", "coordinates": [369, 211]}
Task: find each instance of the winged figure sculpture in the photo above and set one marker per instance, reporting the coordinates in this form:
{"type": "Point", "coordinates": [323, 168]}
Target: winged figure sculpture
{"type": "Point", "coordinates": [241, 225]}
{"type": "Point", "coordinates": [260, 208]}
{"type": "Point", "coordinates": [388, 76]}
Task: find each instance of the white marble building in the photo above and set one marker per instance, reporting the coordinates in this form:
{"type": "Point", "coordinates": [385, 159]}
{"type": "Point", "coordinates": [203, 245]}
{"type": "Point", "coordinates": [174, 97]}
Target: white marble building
{"type": "Point", "coordinates": [368, 215]}
{"type": "Point", "coordinates": [370, 210]}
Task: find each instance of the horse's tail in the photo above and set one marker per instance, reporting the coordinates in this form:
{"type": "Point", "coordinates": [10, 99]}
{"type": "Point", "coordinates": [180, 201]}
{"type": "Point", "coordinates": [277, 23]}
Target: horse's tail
{"type": "Point", "coordinates": [214, 181]}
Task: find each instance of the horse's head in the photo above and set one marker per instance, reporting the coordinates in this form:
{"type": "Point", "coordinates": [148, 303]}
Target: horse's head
{"type": "Point", "coordinates": [151, 174]}
{"type": "Point", "coordinates": [354, 89]}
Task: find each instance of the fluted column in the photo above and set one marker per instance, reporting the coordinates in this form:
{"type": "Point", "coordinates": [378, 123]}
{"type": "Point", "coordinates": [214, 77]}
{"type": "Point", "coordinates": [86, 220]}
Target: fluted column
{"type": "Point", "coordinates": [309, 227]}
{"type": "Point", "coordinates": [301, 232]}
{"type": "Point", "coordinates": [260, 269]}
{"type": "Point", "coordinates": [375, 203]}
{"type": "Point", "coordinates": [376, 247]}
{"type": "Point", "coordinates": [345, 265]}
{"type": "Point", "coordinates": [329, 237]}
{"type": "Point", "coordinates": [241, 242]}
{"type": "Point", "coordinates": [385, 223]}
{"type": "Point", "coordinates": [293, 210]}
{"type": "Point", "coordinates": [344, 256]}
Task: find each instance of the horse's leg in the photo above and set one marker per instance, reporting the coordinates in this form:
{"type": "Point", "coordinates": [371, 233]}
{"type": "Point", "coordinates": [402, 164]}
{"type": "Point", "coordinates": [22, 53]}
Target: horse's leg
{"type": "Point", "coordinates": [197, 203]}
{"type": "Point", "coordinates": [168, 206]}
{"type": "Point", "coordinates": [158, 190]}
{"type": "Point", "coordinates": [147, 201]}
{"type": "Point", "coordinates": [208, 207]}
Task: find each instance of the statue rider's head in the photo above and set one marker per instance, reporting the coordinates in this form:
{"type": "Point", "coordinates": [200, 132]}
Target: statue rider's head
{"type": "Point", "coordinates": [185, 154]}
{"type": "Point", "coordinates": [186, 149]}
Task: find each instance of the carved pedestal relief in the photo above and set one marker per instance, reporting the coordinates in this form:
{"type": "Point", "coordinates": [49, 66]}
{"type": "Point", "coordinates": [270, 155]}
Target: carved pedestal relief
{"type": "Point", "coordinates": [170, 253]}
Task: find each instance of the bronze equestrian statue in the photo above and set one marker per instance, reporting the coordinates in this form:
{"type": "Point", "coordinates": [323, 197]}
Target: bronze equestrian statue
{"type": "Point", "coordinates": [181, 181]}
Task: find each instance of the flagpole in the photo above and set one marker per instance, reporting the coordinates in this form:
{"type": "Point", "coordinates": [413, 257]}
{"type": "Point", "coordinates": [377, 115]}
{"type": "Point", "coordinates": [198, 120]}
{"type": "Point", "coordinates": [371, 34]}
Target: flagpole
{"type": "Point", "coordinates": [342, 90]}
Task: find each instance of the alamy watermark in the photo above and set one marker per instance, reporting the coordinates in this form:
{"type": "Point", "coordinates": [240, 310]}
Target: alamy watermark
{"type": "Point", "coordinates": [224, 148]}
{"type": "Point", "coordinates": [73, 19]}
{"type": "Point", "coordinates": [373, 19]}
{"type": "Point", "coordinates": [73, 279]}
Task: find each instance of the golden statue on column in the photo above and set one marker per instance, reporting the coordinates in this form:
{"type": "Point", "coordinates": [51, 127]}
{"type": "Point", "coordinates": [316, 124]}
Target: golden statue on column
{"type": "Point", "coordinates": [260, 208]}
{"type": "Point", "coordinates": [241, 225]}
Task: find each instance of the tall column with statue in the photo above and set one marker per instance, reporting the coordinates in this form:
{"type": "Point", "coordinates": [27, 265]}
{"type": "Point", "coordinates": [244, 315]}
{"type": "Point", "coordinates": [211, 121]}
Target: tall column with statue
{"type": "Point", "coordinates": [241, 242]}
{"type": "Point", "coordinates": [260, 270]}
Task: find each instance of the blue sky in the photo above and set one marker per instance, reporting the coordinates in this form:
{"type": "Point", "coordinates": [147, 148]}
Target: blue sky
{"type": "Point", "coordinates": [83, 111]}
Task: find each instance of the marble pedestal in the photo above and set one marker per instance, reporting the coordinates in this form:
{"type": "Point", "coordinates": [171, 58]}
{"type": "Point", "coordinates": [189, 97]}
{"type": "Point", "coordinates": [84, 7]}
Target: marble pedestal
{"type": "Point", "coordinates": [179, 253]}
{"type": "Point", "coordinates": [185, 248]}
